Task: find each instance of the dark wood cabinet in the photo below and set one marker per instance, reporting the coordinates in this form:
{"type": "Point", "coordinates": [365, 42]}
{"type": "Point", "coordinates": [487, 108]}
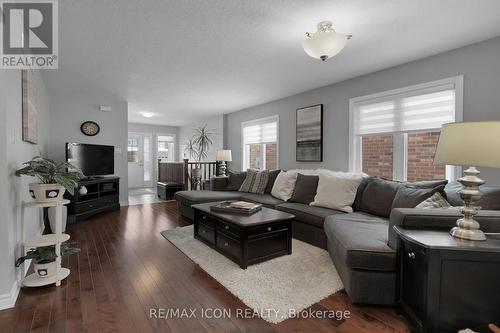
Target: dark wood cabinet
{"type": "Point", "coordinates": [103, 194]}
{"type": "Point", "coordinates": [246, 240]}
{"type": "Point", "coordinates": [447, 284]}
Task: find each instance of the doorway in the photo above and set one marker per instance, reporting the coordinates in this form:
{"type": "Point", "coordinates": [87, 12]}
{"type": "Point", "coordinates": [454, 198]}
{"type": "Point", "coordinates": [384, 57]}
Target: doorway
{"type": "Point", "coordinates": [140, 160]}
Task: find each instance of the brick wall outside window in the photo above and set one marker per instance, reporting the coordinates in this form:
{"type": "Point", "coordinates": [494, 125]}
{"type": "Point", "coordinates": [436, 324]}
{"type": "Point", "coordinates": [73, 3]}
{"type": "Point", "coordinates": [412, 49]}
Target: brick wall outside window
{"type": "Point", "coordinates": [255, 156]}
{"type": "Point", "coordinates": [271, 157]}
{"type": "Point", "coordinates": [377, 155]}
{"type": "Point", "coordinates": [421, 149]}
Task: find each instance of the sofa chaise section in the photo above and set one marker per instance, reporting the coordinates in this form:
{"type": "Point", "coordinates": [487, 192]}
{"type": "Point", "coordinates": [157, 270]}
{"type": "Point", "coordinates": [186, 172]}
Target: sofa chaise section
{"type": "Point", "coordinates": [357, 243]}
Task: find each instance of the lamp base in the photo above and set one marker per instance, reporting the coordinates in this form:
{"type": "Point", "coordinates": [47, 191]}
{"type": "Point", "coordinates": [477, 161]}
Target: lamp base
{"type": "Point", "coordinates": [468, 234]}
{"type": "Point", "coordinates": [467, 227]}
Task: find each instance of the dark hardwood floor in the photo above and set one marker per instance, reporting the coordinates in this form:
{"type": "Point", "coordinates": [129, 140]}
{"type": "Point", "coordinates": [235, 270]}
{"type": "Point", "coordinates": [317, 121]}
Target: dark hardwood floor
{"type": "Point", "coordinates": [126, 267]}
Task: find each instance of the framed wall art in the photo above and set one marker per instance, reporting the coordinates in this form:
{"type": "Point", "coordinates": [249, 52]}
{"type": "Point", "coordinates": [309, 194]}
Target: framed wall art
{"type": "Point", "coordinates": [309, 134]}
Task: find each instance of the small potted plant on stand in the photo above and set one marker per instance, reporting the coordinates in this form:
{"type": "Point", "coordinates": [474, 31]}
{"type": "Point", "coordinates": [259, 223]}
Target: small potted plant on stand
{"type": "Point", "coordinates": [54, 178]}
{"type": "Point", "coordinates": [197, 147]}
{"type": "Point", "coordinates": [45, 258]}
{"type": "Point", "coordinates": [54, 181]}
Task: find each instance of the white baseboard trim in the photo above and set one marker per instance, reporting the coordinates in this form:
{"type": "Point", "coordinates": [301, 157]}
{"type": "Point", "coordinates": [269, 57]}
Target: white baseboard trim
{"type": "Point", "coordinates": [124, 203]}
{"type": "Point", "coordinates": [8, 300]}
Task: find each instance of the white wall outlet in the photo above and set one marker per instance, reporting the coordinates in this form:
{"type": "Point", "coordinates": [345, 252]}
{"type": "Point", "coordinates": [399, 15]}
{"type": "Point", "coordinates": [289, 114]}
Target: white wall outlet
{"type": "Point", "coordinates": [105, 108]}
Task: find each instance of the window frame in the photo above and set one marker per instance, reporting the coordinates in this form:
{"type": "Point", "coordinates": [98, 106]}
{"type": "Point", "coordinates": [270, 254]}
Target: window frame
{"type": "Point", "coordinates": [400, 140]}
{"type": "Point", "coordinates": [174, 145]}
{"type": "Point", "coordinates": [257, 121]}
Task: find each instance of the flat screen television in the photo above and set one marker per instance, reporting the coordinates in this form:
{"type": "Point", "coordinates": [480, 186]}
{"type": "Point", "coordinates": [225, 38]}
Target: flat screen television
{"type": "Point", "coordinates": [92, 160]}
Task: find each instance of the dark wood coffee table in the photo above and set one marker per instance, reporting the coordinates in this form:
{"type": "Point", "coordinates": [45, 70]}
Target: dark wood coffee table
{"type": "Point", "coordinates": [245, 239]}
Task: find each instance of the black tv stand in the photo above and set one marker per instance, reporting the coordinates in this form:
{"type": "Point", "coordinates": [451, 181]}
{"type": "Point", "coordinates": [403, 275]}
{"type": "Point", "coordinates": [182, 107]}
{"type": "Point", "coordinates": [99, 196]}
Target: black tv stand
{"type": "Point", "coordinates": [103, 194]}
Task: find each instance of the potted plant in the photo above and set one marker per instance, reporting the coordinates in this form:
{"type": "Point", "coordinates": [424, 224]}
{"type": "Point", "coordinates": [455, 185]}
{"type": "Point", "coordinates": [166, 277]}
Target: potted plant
{"type": "Point", "coordinates": [198, 146]}
{"type": "Point", "coordinates": [54, 178]}
{"type": "Point", "coordinates": [45, 258]}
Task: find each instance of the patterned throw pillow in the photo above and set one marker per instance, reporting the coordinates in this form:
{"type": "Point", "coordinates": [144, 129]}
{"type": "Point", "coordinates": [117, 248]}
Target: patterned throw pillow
{"type": "Point", "coordinates": [255, 182]}
{"type": "Point", "coordinates": [436, 201]}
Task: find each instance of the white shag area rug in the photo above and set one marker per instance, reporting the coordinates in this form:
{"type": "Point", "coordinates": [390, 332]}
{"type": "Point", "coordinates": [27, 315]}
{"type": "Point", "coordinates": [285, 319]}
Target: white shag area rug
{"type": "Point", "coordinates": [272, 289]}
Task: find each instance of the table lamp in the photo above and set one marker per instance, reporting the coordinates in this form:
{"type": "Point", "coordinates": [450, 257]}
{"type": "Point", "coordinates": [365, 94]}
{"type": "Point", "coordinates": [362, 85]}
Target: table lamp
{"type": "Point", "coordinates": [469, 144]}
{"type": "Point", "coordinates": [223, 156]}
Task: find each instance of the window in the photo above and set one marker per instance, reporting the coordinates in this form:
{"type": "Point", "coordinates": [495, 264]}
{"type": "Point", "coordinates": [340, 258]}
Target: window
{"type": "Point", "coordinates": [133, 149]}
{"type": "Point", "coordinates": [394, 134]}
{"type": "Point", "coordinates": [260, 143]}
{"type": "Point", "coordinates": [166, 147]}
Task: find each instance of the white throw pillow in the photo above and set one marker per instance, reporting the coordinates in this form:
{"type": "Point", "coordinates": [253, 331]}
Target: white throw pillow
{"type": "Point", "coordinates": [337, 192]}
{"type": "Point", "coordinates": [284, 185]}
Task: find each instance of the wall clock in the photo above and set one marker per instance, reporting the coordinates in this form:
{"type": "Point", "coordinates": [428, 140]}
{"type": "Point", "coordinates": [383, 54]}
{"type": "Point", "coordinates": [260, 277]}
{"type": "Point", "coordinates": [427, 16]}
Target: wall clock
{"type": "Point", "coordinates": [90, 128]}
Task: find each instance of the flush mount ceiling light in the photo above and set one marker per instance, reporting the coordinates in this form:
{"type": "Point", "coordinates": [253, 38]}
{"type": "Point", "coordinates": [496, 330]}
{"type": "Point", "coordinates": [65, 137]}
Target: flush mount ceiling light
{"type": "Point", "coordinates": [324, 43]}
{"type": "Point", "coordinates": [146, 114]}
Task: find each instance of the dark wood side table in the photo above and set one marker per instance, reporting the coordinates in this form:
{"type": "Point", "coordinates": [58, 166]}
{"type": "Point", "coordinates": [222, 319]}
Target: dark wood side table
{"type": "Point", "coordinates": [447, 284]}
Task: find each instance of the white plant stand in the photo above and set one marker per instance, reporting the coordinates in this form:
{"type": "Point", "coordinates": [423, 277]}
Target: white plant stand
{"type": "Point", "coordinates": [34, 280]}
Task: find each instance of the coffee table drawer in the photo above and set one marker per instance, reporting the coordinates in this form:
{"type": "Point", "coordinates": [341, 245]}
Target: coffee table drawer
{"type": "Point", "coordinates": [206, 233]}
{"type": "Point", "coordinates": [228, 245]}
{"type": "Point", "coordinates": [205, 219]}
{"type": "Point", "coordinates": [229, 228]}
{"type": "Point", "coordinates": [268, 228]}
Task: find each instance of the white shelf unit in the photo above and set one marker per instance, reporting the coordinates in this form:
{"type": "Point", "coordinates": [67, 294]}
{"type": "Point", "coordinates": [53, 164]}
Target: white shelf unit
{"type": "Point", "coordinates": [33, 280]}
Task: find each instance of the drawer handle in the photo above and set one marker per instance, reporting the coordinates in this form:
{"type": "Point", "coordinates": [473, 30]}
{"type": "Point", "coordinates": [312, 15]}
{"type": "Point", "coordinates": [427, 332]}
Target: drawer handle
{"type": "Point", "coordinates": [226, 227]}
{"type": "Point", "coordinates": [411, 255]}
{"type": "Point", "coordinates": [226, 244]}
{"type": "Point", "coordinates": [269, 228]}
{"type": "Point", "coordinates": [91, 206]}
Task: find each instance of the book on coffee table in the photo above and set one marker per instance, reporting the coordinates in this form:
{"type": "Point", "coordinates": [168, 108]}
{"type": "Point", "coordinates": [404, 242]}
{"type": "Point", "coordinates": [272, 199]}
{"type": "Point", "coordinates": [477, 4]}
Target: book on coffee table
{"type": "Point", "coordinates": [238, 207]}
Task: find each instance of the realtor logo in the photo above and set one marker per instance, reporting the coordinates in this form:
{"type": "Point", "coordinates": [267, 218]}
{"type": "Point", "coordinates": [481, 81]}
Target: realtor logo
{"type": "Point", "coordinates": [29, 38]}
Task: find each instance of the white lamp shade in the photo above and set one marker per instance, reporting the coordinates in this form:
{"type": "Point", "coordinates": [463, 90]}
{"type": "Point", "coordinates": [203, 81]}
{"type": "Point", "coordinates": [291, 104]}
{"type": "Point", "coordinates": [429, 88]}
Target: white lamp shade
{"type": "Point", "coordinates": [324, 44]}
{"type": "Point", "coordinates": [469, 144]}
{"type": "Point", "coordinates": [224, 155]}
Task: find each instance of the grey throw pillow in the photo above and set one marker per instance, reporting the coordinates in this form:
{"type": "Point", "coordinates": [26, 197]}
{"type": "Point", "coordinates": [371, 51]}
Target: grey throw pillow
{"type": "Point", "coordinates": [436, 201]}
{"type": "Point", "coordinates": [305, 189]}
{"type": "Point", "coordinates": [255, 181]}
{"type": "Point", "coordinates": [409, 197]}
{"type": "Point", "coordinates": [272, 178]}
{"type": "Point", "coordinates": [378, 196]}
{"type": "Point", "coordinates": [235, 180]}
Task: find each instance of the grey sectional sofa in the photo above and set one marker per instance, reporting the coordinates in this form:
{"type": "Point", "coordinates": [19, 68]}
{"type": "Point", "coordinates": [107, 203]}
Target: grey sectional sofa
{"type": "Point", "coordinates": [362, 244]}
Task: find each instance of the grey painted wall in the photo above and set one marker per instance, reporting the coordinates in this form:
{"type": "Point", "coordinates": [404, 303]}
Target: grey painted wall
{"type": "Point", "coordinates": [215, 124]}
{"type": "Point", "coordinates": [68, 112]}
{"type": "Point", "coordinates": [479, 63]}
{"type": "Point", "coordinates": [14, 190]}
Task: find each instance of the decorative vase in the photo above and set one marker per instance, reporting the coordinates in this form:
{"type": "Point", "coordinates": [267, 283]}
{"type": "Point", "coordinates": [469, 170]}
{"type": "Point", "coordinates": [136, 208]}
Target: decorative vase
{"type": "Point", "coordinates": [46, 270]}
{"type": "Point", "coordinates": [83, 190]}
{"type": "Point", "coordinates": [43, 193]}
{"type": "Point", "coordinates": [52, 218]}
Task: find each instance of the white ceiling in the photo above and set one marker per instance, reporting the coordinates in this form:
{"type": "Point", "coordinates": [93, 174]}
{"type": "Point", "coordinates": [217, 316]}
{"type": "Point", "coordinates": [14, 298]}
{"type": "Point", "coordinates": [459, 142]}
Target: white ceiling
{"type": "Point", "coordinates": [188, 59]}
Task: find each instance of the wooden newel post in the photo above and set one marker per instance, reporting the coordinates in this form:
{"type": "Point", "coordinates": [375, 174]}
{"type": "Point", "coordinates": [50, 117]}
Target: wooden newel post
{"type": "Point", "coordinates": [185, 175]}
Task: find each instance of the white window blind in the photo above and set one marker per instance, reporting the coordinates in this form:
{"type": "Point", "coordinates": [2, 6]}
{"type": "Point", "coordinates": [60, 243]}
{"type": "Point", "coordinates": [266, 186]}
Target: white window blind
{"type": "Point", "coordinates": [421, 109]}
{"type": "Point", "coordinates": [263, 131]}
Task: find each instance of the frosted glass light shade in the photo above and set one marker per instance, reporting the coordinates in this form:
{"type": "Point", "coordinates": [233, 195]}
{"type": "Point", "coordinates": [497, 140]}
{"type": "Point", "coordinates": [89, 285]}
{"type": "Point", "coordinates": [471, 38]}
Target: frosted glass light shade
{"type": "Point", "coordinates": [325, 43]}
{"type": "Point", "coordinates": [224, 155]}
{"type": "Point", "coordinates": [469, 144]}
